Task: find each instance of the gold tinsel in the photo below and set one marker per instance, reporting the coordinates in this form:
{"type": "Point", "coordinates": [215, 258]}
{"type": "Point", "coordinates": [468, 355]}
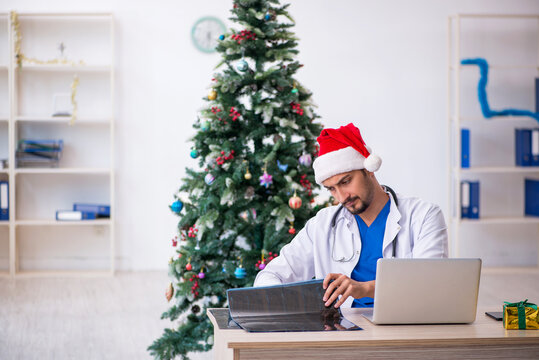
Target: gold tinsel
{"type": "Point", "coordinates": [21, 58]}
{"type": "Point", "coordinates": [74, 86]}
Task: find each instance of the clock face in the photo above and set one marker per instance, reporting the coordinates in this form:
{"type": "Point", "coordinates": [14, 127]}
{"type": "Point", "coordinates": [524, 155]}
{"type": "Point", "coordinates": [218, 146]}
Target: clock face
{"type": "Point", "coordinates": [206, 32]}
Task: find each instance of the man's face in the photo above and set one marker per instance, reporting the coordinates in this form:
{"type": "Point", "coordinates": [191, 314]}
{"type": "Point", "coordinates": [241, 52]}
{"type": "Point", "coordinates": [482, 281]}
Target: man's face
{"type": "Point", "coordinates": [354, 189]}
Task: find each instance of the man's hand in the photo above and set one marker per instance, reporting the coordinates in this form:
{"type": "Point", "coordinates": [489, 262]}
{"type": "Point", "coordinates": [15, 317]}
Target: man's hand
{"type": "Point", "coordinates": [343, 285]}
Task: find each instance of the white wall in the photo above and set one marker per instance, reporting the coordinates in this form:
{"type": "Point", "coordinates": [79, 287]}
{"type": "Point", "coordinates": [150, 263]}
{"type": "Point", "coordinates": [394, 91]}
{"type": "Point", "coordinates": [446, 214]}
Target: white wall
{"type": "Point", "coordinates": [380, 64]}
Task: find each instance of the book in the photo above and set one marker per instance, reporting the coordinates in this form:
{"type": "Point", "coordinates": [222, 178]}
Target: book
{"type": "Point", "coordinates": [465, 148]}
{"type": "Point", "coordinates": [4, 200]}
{"type": "Point", "coordinates": [469, 199]}
{"type": "Point", "coordinates": [535, 147]}
{"type": "Point", "coordinates": [531, 197]}
{"type": "Point", "coordinates": [100, 210]}
{"type": "Point", "coordinates": [70, 215]}
{"type": "Point", "coordinates": [523, 138]}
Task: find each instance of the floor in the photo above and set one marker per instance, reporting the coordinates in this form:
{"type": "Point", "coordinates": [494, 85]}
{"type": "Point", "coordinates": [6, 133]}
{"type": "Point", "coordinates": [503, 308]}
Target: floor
{"type": "Point", "coordinates": [118, 317]}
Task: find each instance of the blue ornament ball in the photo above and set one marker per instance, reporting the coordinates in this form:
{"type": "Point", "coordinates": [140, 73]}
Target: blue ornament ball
{"type": "Point", "coordinates": [221, 37]}
{"type": "Point", "coordinates": [242, 65]}
{"type": "Point", "coordinates": [194, 153]}
{"type": "Point", "coordinates": [268, 17]}
{"type": "Point", "coordinates": [209, 179]}
{"type": "Point", "coordinates": [176, 206]}
{"type": "Point", "coordinates": [240, 273]}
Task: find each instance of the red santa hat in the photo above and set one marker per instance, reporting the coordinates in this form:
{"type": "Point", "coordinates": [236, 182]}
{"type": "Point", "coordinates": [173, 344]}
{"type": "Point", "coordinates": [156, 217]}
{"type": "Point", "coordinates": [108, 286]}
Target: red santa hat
{"type": "Point", "coordinates": [343, 150]}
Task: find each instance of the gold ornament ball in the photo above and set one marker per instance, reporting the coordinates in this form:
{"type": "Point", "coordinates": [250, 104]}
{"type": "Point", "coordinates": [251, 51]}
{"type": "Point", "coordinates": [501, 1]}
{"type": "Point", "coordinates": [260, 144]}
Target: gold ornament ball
{"type": "Point", "coordinates": [212, 95]}
{"type": "Point", "coordinates": [294, 202]}
{"type": "Point", "coordinates": [247, 176]}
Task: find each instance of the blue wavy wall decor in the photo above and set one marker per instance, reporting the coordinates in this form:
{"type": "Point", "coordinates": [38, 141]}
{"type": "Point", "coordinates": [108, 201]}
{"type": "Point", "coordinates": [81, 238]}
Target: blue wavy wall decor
{"type": "Point", "coordinates": [482, 93]}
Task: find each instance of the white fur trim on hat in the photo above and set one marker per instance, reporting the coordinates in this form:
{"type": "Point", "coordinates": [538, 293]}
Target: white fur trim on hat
{"type": "Point", "coordinates": [337, 162]}
{"type": "Point", "coordinates": [372, 163]}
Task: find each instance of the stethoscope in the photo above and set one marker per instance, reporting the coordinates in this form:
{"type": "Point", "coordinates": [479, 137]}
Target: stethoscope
{"type": "Point", "coordinates": [334, 229]}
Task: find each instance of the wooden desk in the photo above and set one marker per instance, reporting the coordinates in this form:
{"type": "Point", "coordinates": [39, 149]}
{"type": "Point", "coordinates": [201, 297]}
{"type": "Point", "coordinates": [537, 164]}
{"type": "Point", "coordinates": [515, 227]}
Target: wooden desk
{"type": "Point", "coordinates": [483, 339]}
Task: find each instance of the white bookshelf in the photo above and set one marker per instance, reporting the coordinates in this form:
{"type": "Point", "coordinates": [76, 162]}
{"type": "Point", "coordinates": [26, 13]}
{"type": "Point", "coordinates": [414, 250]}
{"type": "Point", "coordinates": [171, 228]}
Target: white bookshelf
{"type": "Point", "coordinates": [502, 226]}
{"type": "Point", "coordinates": [39, 245]}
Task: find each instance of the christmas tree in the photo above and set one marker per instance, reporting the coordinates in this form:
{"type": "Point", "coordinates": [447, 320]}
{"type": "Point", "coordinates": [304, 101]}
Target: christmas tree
{"type": "Point", "coordinates": [255, 140]}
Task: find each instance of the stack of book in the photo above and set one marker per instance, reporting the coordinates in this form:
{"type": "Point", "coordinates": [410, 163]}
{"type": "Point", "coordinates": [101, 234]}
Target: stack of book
{"type": "Point", "coordinates": [39, 153]}
{"type": "Point", "coordinates": [83, 211]}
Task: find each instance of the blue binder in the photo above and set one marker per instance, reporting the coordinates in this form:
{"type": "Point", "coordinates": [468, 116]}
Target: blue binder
{"type": "Point", "coordinates": [474, 199]}
{"type": "Point", "coordinates": [531, 197]}
{"type": "Point", "coordinates": [469, 199]}
{"type": "Point", "coordinates": [4, 200]}
{"type": "Point", "coordinates": [523, 139]}
{"type": "Point", "coordinates": [537, 95]}
{"type": "Point", "coordinates": [535, 147]}
{"type": "Point", "coordinates": [465, 148]}
{"type": "Point", "coordinates": [99, 209]}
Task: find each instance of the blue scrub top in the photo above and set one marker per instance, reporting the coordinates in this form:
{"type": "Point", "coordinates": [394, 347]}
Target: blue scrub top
{"type": "Point", "coordinates": [372, 238]}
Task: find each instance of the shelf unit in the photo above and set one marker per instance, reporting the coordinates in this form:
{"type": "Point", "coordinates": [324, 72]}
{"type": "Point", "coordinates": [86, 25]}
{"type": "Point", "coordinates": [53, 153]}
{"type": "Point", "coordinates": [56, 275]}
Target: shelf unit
{"type": "Point", "coordinates": [86, 170]}
{"type": "Point", "coordinates": [5, 102]}
{"type": "Point", "coordinates": [478, 35]}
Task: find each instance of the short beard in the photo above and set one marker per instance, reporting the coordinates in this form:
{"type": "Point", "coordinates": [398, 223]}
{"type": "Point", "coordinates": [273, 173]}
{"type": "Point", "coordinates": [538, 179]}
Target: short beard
{"type": "Point", "coordinates": [362, 207]}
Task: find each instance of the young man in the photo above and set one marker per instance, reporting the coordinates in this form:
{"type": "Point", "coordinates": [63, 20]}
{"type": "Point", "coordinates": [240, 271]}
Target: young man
{"type": "Point", "coordinates": [343, 243]}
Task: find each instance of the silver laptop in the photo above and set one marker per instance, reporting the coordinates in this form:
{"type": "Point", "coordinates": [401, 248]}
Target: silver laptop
{"type": "Point", "coordinates": [425, 291]}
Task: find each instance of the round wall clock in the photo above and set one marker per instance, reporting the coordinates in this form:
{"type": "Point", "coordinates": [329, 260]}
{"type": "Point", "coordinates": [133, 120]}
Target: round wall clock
{"type": "Point", "coordinates": [206, 32]}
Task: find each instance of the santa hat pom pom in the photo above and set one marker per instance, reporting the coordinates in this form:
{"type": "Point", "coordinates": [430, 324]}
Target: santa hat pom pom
{"type": "Point", "coordinates": [372, 163]}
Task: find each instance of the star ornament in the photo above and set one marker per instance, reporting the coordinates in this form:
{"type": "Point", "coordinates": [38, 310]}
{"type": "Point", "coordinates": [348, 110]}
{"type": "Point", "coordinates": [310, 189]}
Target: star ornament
{"type": "Point", "coordinates": [266, 180]}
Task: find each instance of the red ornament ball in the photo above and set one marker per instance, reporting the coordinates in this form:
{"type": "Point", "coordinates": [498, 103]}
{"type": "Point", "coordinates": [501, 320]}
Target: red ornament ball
{"type": "Point", "coordinates": [292, 231]}
{"type": "Point", "coordinates": [188, 267]}
{"type": "Point", "coordinates": [294, 202]}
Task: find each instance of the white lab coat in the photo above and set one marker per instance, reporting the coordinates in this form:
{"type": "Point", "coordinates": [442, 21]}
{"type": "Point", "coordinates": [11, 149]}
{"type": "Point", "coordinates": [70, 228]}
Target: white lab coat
{"type": "Point", "coordinates": [314, 252]}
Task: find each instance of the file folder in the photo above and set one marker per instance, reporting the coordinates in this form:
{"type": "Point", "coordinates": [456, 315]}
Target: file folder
{"type": "Point", "coordinates": [4, 200]}
{"type": "Point", "coordinates": [535, 147]}
{"type": "Point", "coordinates": [465, 148]}
{"type": "Point", "coordinates": [101, 210]}
{"type": "Point", "coordinates": [469, 199]}
{"type": "Point", "coordinates": [70, 215]}
{"type": "Point", "coordinates": [464, 199]}
{"type": "Point", "coordinates": [531, 197]}
{"type": "Point", "coordinates": [523, 138]}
